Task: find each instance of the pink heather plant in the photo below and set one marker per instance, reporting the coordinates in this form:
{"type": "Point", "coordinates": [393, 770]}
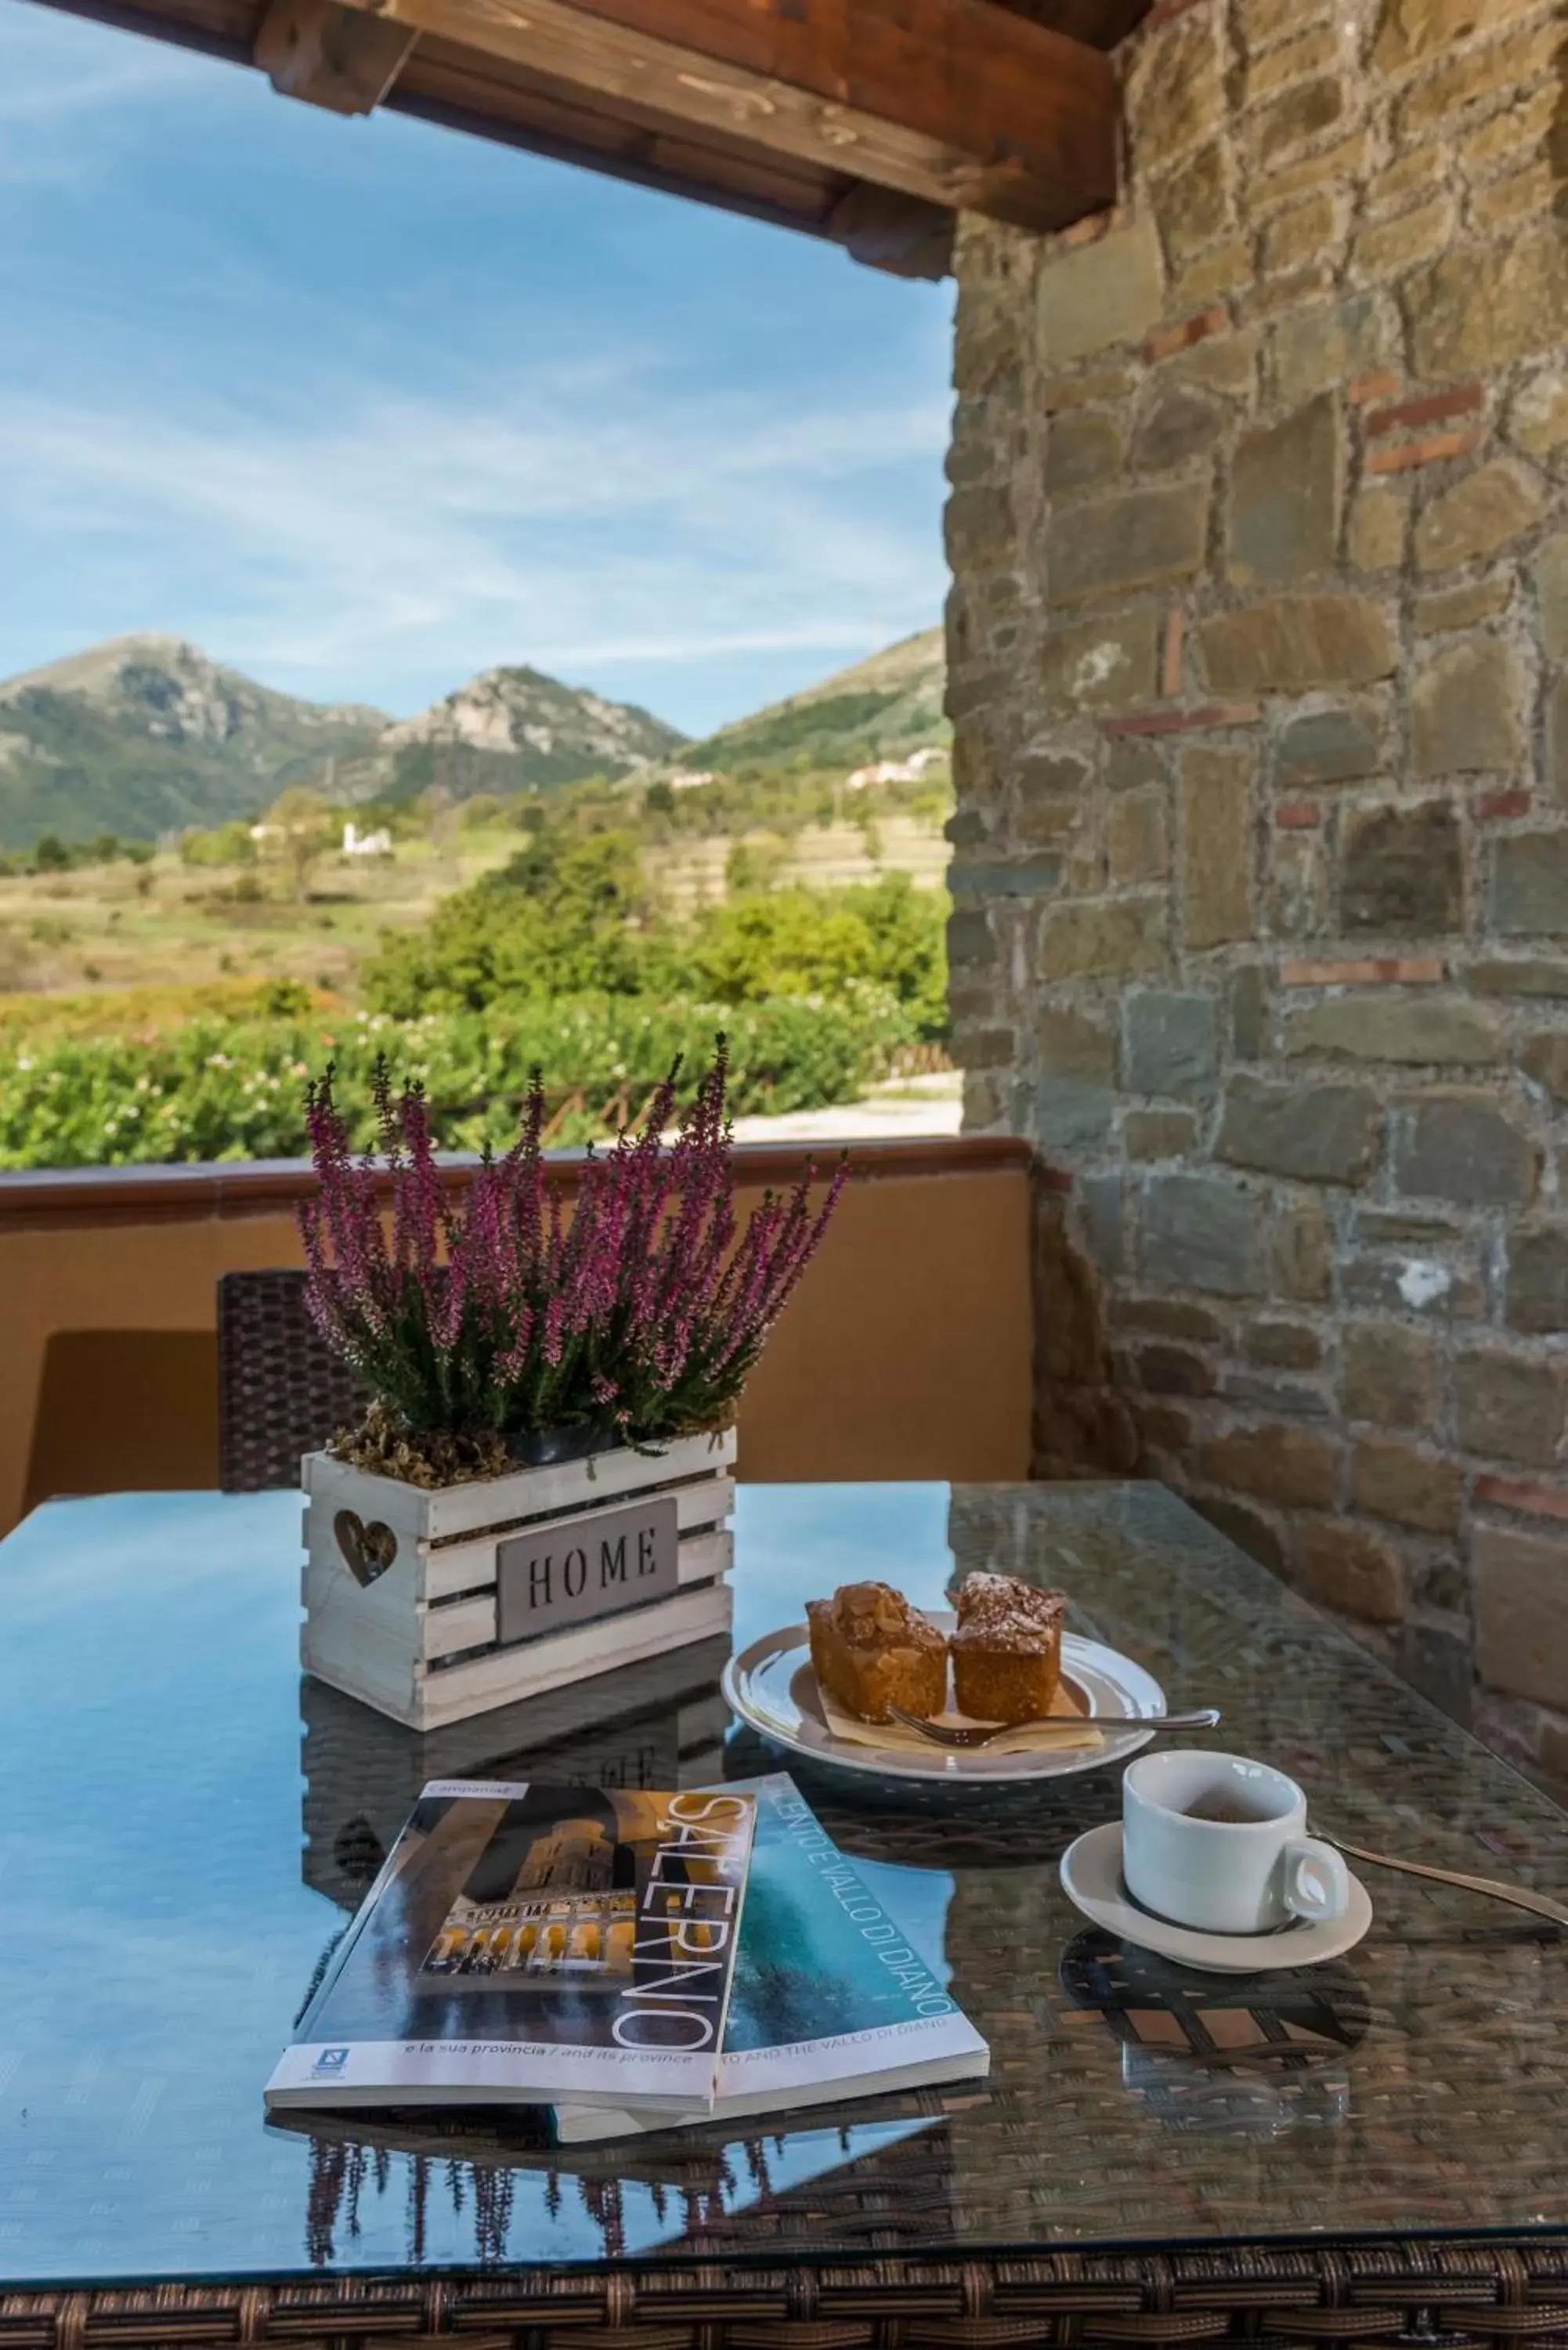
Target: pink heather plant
{"type": "Point", "coordinates": [488, 1311]}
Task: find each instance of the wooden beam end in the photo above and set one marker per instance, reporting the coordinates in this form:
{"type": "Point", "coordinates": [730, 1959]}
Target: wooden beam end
{"type": "Point", "coordinates": [899, 234]}
{"type": "Point", "coordinates": [342, 58]}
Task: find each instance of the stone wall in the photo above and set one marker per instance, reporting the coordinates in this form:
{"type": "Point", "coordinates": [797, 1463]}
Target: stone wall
{"type": "Point", "coordinates": [1259, 674]}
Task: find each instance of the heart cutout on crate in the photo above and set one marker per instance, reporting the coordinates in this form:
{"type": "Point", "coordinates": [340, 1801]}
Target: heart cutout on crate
{"type": "Point", "coordinates": [369, 1550]}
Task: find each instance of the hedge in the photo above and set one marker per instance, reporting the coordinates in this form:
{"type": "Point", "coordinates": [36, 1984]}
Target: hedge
{"type": "Point", "coordinates": [228, 1089]}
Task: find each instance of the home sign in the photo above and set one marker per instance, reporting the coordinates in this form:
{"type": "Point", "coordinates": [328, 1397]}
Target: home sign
{"type": "Point", "coordinates": [572, 1571]}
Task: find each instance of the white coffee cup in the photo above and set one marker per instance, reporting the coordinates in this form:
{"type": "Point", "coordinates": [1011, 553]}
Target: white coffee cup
{"type": "Point", "coordinates": [1218, 1843]}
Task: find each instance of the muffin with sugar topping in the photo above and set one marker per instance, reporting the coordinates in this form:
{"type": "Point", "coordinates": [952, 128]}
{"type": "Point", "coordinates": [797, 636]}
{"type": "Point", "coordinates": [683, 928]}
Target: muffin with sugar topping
{"type": "Point", "coordinates": [1007, 1649]}
{"type": "Point", "coordinates": [871, 1650]}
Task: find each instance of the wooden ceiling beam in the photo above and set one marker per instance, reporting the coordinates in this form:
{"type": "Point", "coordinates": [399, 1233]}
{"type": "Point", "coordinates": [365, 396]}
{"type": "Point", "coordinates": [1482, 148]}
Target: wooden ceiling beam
{"type": "Point", "coordinates": [878, 227]}
{"type": "Point", "coordinates": [507, 89]}
{"type": "Point", "coordinates": [958, 103]}
{"type": "Point", "coordinates": [449, 86]}
{"type": "Point", "coordinates": [341, 59]}
{"type": "Point", "coordinates": [867, 123]}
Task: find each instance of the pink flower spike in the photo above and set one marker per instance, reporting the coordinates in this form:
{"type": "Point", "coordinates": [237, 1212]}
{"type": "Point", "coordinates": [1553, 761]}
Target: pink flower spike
{"type": "Point", "coordinates": [495, 1308]}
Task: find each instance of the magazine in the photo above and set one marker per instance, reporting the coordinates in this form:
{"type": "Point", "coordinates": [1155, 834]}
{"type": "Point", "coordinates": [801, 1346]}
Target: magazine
{"type": "Point", "coordinates": [830, 2000]}
{"type": "Point", "coordinates": [527, 1944]}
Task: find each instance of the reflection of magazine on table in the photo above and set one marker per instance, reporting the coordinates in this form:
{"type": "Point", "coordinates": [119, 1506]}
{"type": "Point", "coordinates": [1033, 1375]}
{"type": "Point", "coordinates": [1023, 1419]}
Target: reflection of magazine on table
{"type": "Point", "coordinates": [514, 2197]}
{"type": "Point", "coordinates": [830, 2000]}
{"type": "Point", "coordinates": [529, 1943]}
{"type": "Point", "coordinates": [694, 2152]}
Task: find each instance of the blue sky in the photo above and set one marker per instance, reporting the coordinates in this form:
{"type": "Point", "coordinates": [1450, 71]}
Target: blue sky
{"type": "Point", "coordinates": [363, 407]}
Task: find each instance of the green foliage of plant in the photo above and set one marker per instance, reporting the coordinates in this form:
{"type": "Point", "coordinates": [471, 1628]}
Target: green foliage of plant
{"type": "Point", "coordinates": [754, 866]}
{"type": "Point", "coordinates": [484, 810]}
{"type": "Point", "coordinates": [226, 1089]}
{"type": "Point", "coordinates": [561, 918]}
{"type": "Point", "coordinates": [807, 727]}
{"type": "Point", "coordinates": [568, 914]}
{"type": "Point", "coordinates": [884, 705]}
{"type": "Point", "coordinates": [134, 1012]}
{"type": "Point", "coordinates": [51, 854]}
{"type": "Point", "coordinates": [813, 941]}
{"type": "Point", "coordinates": [226, 844]}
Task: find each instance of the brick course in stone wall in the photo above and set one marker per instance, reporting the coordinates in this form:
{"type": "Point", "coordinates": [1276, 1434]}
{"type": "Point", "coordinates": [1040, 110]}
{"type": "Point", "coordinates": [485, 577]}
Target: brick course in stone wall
{"type": "Point", "coordinates": [1259, 677]}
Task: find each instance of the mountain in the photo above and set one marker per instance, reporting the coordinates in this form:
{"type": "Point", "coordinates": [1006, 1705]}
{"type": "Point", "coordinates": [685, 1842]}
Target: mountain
{"type": "Point", "coordinates": [146, 734]}
{"type": "Point", "coordinates": [882, 708]}
{"type": "Point", "coordinates": [512, 730]}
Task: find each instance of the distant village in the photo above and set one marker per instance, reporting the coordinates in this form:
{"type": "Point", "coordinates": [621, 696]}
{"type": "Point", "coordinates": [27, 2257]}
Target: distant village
{"type": "Point", "coordinates": [912, 770]}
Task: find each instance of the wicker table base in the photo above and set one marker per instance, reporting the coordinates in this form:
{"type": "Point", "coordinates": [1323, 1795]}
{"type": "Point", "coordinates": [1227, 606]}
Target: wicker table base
{"type": "Point", "coordinates": [1448, 2296]}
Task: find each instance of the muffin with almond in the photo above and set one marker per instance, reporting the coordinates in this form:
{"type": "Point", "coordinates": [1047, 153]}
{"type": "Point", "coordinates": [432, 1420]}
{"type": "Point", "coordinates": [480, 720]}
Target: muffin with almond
{"type": "Point", "coordinates": [1006, 1649]}
{"type": "Point", "coordinates": [871, 1650]}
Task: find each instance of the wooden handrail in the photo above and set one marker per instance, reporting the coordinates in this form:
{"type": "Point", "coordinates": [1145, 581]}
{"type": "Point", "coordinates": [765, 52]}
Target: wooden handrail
{"type": "Point", "coordinates": [48, 1198]}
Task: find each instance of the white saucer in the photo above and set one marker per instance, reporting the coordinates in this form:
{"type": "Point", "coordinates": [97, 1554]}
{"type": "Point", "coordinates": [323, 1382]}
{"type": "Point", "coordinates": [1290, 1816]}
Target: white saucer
{"type": "Point", "coordinates": [1092, 1874]}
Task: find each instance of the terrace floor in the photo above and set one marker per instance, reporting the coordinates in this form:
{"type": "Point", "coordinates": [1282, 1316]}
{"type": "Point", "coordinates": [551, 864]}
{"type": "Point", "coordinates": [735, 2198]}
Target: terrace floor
{"type": "Point", "coordinates": [903, 1105]}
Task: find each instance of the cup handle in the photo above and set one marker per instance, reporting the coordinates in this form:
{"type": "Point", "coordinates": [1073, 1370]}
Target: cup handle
{"type": "Point", "coordinates": [1317, 1882]}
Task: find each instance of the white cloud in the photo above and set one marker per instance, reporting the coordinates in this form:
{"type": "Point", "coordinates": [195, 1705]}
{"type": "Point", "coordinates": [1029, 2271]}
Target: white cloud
{"type": "Point", "coordinates": [342, 539]}
{"type": "Point", "coordinates": [71, 90]}
{"type": "Point", "coordinates": [53, 67]}
{"type": "Point", "coordinates": [147, 72]}
{"type": "Point", "coordinates": [305, 392]}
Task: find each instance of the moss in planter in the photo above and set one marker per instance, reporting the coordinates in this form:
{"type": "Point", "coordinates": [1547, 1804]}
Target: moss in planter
{"type": "Point", "coordinates": [383, 1446]}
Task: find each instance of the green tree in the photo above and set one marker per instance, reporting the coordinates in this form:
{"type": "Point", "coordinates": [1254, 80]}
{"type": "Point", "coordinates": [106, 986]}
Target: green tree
{"type": "Point", "coordinates": [299, 832]}
{"type": "Point", "coordinates": [754, 865]}
{"type": "Point", "coordinates": [809, 943]}
{"type": "Point", "coordinates": [570, 914]}
{"type": "Point", "coordinates": [226, 844]}
{"type": "Point", "coordinates": [50, 854]}
{"type": "Point", "coordinates": [563, 917]}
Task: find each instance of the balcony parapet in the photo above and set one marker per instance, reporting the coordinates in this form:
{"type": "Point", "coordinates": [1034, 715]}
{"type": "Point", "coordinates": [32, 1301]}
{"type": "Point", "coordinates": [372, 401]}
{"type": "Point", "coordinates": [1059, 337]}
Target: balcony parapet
{"type": "Point", "coordinates": [906, 1354]}
{"type": "Point", "coordinates": [50, 1199]}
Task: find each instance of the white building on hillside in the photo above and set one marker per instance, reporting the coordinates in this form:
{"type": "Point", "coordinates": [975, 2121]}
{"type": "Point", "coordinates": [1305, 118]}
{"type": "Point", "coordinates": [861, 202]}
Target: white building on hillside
{"type": "Point", "coordinates": [897, 771]}
{"type": "Point", "coordinates": [366, 844]}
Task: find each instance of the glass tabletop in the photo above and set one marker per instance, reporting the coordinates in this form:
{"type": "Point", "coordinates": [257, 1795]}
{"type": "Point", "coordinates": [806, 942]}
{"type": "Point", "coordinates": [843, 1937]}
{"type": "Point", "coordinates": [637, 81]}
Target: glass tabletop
{"type": "Point", "coordinates": [187, 1825]}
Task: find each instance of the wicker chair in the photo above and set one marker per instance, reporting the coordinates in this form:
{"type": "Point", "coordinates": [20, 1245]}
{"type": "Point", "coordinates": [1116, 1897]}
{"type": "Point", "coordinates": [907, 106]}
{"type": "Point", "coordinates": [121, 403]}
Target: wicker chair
{"type": "Point", "coordinates": [281, 1391]}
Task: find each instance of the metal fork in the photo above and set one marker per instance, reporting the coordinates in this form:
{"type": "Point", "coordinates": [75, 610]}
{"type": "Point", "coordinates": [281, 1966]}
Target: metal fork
{"type": "Point", "coordinates": [1203, 1718]}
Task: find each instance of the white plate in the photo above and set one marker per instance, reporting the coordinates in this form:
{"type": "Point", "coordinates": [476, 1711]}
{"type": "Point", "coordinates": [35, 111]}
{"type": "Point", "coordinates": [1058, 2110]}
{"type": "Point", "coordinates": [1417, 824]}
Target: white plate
{"type": "Point", "coordinates": [1092, 1874]}
{"type": "Point", "coordinates": [772, 1686]}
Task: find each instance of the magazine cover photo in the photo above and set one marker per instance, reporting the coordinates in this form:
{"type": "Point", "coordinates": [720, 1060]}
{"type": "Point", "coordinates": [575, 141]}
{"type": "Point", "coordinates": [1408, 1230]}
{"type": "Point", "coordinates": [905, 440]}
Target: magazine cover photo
{"type": "Point", "coordinates": [587, 1933]}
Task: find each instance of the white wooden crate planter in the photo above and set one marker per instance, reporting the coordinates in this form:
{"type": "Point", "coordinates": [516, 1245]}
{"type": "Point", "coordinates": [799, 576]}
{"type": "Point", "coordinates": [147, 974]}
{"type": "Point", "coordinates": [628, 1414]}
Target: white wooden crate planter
{"type": "Point", "coordinates": [432, 1606]}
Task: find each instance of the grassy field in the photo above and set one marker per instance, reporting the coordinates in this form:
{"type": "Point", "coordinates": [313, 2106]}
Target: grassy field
{"type": "Point", "coordinates": [167, 924]}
